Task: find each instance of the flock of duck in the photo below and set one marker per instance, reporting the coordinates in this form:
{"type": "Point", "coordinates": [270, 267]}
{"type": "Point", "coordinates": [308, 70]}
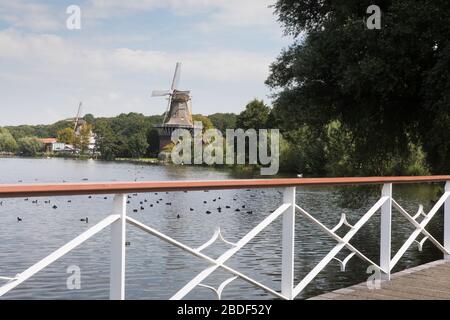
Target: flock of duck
{"type": "Point", "coordinates": [146, 203]}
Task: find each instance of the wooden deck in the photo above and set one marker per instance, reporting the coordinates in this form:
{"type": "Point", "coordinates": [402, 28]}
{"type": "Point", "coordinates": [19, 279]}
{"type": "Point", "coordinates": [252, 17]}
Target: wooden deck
{"type": "Point", "coordinates": [430, 281]}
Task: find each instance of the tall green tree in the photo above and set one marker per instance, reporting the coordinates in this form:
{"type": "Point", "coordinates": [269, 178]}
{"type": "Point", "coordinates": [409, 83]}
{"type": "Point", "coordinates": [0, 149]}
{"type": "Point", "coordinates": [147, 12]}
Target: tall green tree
{"type": "Point", "coordinates": [105, 140]}
{"type": "Point", "coordinates": [254, 116]}
{"type": "Point", "coordinates": [223, 121]}
{"type": "Point", "coordinates": [138, 145]}
{"type": "Point", "coordinates": [388, 88]}
{"type": "Point", "coordinates": [66, 135]}
{"type": "Point", "coordinates": [7, 141]}
{"type": "Point", "coordinates": [29, 146]}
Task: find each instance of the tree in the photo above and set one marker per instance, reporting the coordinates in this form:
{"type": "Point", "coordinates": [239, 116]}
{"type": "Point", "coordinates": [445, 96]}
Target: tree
{"type": "Point", "coordinates": [85, 137]}
{"type": "Point", "coordinates": [138, 145]}
{"type": "Point", "coordinates": [7, 141]}
{"type": "Point", "coordinates": [254, 116]}
{"type": "Point", "coordinates": [29, 146]}
{"type": "Point", "coordinates": [89, 118]}
{"type": "Point", "coordinates": [66, 136]}
{"type": "Point", "coordinates": [105, 140]}
{"type": "Point", "coordinates": [223, 121]}
{"type": "Point", "coordinates": [388, 88]}
{"type": "Point", "coordinates": [206, 122]}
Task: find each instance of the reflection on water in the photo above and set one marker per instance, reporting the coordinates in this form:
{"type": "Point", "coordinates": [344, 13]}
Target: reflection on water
{"type": "Point", "coordinates": [156, 270]}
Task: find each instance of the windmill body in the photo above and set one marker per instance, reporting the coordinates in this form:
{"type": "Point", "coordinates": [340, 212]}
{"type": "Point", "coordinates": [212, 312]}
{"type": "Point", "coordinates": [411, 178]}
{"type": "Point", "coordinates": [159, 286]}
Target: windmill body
{"type": "Point", "coordinates": [179, 110]}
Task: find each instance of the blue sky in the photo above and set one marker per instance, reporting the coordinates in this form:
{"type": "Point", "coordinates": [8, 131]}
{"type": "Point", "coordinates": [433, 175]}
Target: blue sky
{"type": "Point", "coordinates": [126, 49]}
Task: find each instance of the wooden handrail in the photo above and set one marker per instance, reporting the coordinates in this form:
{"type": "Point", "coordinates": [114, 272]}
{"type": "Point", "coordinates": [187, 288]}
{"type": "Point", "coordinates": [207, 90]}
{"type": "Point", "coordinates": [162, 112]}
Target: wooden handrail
{"type": "Point", "coordinates": [65, 189]}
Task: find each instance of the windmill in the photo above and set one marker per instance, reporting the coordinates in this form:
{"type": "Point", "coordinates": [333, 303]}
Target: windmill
{"type": "Point", "coordinates": [179, 107]}
{"type": "Point", "coordinates": [178, 114]}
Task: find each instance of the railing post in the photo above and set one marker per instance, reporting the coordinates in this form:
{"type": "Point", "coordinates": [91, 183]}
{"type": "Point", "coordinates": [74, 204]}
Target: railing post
{"type": "Point", "coordinates": [447, 222]}
{"type": "Point", "coordinates": [385, 237]}
{"type": "Point", "coordinates": [118, 236]}
{"type": "Point", "coordinates": [288, 237]}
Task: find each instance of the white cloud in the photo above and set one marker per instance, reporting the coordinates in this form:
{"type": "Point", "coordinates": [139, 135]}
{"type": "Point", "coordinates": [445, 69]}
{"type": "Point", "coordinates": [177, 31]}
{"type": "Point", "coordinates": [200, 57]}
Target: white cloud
{"type": "Point", "coordinates": [34, 16]}
{"type": "Point", "coordinates": [47, 72]}
{"type": "Point", "coordinates": [219, 12]}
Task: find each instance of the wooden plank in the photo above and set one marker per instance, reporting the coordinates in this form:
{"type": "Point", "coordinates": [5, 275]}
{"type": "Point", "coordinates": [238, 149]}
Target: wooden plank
{"type": "Point", "coordinates": [426, 282]}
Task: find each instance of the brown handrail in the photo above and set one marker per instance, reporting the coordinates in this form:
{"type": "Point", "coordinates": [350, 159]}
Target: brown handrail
{"type": "Point", "coordinates": [65, 189]}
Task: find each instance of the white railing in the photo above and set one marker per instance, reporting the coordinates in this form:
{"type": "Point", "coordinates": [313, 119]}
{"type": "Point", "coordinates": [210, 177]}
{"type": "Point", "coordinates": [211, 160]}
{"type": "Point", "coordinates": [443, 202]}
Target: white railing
{"type": "Point", "coordinates": [287, 211]}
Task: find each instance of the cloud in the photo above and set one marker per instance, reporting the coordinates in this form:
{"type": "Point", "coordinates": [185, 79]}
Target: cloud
{"type": "Point", "coordinates": [218, 12]}
{"type": "Point", "coordinates": [42, 72]}
{"type": "Point", "coordinates": [33, 16]}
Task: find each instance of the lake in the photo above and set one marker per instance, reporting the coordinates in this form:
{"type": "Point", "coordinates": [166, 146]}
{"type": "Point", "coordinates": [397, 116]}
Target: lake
{"type": "Point", "coordinates": [156, 270]}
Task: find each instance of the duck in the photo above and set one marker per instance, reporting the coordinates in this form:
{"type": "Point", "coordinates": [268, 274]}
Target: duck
{"type": "Point", "coordinates": [85, 220]}
{"type": "Point", "coordinates": [191, 209]}
{"type": "Point", "coordinates": [19, 219]}
{"type": "Point", "coordinates": [178, 216]}
{"type": "Point", "coordinates": [55, 207]}
{"type": "Point", "coordinates": [208, 212]}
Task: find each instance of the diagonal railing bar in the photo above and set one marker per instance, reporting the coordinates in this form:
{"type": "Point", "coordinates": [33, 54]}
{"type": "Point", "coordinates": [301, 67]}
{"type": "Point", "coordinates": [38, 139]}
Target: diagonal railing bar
{"type": "Point", "coordinates": [338, 238]}
{"type": "Point", "coordinates": [416, 232]}
{"type": "Point", "coordinates": [419, 227]}
{"type": "Point", "coordinates": [21, 277]}
{"type": "Point", "coordinates": [219, 262]}
{"type": "Point", "coordinates": [324, 262]}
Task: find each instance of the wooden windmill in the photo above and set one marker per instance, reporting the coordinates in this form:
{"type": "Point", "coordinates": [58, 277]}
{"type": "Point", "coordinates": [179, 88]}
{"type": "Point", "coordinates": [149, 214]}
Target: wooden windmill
{"type": "Point", "coordinates": [178, 114]}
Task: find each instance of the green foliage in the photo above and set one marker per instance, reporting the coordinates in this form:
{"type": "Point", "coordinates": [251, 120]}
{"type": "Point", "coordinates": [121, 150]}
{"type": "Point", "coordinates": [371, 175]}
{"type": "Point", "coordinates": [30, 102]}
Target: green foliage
{"type": "Point", "coordinates": [254, 116]}
{"type": "Point", "coordinates": [84, 137]}
{"type": "Point", "coordinates": [7, 141]}
{"type": "Point", "coordinates": [105, 140]}
{"type": "Point", "coordinates": [29, 146]}
{"type": "Point", "coordinates": [66, 135]}
{"type": "Point", "coordinates": [389, 89]}
{"type": "Point", "coordinates": [127, 135]}
{"type": "Point", "coordinates": [206, 122]}
{"type": "Point", "coordinates": [138, 145]}
{"type": "Point", "coordinates": [223, 121]}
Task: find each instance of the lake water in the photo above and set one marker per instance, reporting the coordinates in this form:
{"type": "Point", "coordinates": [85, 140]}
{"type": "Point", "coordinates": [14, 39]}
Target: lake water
{"type": "Point", "coordinates": [156, 270]}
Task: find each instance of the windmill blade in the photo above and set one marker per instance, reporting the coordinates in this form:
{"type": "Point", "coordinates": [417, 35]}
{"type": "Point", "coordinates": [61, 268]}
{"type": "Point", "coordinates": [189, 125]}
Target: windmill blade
{"type": "Point", "coordinates": [176, 77]}
{"type": "Point", "coordinates": [78, 116]}
{"type": "Point", "coordinates": [160, 93]}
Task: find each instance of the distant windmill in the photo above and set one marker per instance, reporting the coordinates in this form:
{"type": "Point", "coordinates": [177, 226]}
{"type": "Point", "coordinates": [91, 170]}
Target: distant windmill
{"type": "Point", "coordinates": [178, 114]}
{"type": "Point", "coordinates": [179, 108]}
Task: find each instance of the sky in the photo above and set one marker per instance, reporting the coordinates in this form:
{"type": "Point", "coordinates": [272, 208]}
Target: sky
{"type": "Point", "coordinates": [126, 49]}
